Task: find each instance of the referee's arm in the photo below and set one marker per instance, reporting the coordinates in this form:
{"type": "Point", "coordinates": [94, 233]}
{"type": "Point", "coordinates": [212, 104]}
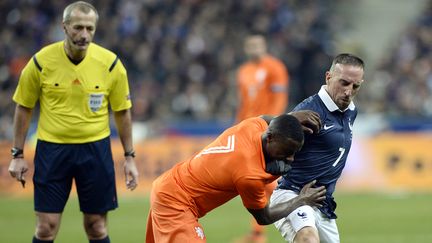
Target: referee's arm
{"type": "Point", "coordinates": [123, 122]}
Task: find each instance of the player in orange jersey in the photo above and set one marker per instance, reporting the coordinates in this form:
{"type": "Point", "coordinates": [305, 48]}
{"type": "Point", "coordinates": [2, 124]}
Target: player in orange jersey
{"type": "Point", "coordinates": [262, 82]}
{"type": "Point", "coordinates": [241, 161]}
{"type": "Point", "coordinates": [262, 89]}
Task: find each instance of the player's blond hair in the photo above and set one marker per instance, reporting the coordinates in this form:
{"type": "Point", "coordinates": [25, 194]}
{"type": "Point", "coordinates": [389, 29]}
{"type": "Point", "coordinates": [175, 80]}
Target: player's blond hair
{"type": "Point", "coordinates": [82, 6]}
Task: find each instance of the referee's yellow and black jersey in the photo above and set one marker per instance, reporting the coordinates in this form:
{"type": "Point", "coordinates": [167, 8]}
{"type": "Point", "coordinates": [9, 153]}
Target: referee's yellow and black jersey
{"type": "Point", "coordinates": [73, 98]}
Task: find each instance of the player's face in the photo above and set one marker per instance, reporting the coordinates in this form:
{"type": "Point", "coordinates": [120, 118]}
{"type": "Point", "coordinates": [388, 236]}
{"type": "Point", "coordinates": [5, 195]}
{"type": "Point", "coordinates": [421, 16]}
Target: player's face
{"type": "Point", "coordinates": [80, 30]}
{"type": "Point", "coordinates": [255, 47]}
{"type": "Point", "coordinates": [343, 84]}
{"type": "Point", "coordinates": [283, 150]}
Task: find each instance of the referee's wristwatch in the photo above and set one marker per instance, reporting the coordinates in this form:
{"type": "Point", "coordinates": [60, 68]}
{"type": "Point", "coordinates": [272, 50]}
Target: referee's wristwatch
{"type": "Point", "coordinates": [130, 153]}
{"type": "Point", "coordinates": [17, 152]}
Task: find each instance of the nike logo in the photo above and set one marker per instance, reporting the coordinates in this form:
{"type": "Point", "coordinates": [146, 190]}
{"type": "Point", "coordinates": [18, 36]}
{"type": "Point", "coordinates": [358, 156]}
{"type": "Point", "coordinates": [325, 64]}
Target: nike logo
{"type": "Point", "coordinates": [302, 215]}
{"type": "Point", "coordinates": [327, 127]}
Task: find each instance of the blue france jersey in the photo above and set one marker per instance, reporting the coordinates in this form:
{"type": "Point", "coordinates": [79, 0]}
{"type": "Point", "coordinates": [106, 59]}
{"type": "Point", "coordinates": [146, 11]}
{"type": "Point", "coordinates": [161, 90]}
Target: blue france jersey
{"type": "Point", "coordinates": [323, 155]}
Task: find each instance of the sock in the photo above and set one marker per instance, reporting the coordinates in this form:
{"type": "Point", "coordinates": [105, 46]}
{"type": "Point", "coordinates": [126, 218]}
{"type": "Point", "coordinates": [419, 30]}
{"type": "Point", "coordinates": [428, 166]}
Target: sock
{"type": "Point", "coordinates": [104, 240]}
{"type": "Point", "coordinates": [35, 240]}
{"type": "Point", "coordinates": [256, 228]}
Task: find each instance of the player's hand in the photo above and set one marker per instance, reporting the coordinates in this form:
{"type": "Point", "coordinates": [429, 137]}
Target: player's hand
{"type": "Point", "coordinates": [17, 169]}
{"type": "Point", "coordinates": [131, 173]}
{"type": "Point", "coordinates": [310, 120]}
{"type": "Point", "coordinates": [312, 196]}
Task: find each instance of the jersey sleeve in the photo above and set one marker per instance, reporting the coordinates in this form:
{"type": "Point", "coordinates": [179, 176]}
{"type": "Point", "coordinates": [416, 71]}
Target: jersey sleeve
{"type": "Point", "coordinates": [28, 89]}
{"type": "Point", "coordinates": [119, 96]}
{"type": "Point", "coordinates": [252, 193]}
{"type": "Point", "coordinates": [278, 88]}
{"type": "Point", "coordinates": [241, 94]}
{"type": "Point", "coordinates": [279, 77]}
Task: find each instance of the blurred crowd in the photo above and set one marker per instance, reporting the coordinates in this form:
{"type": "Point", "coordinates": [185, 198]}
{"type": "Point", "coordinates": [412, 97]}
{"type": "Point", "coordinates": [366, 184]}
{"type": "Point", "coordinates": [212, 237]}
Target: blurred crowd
{"type": "Point", "coordinates": [401, 86]}
{"type": "Point", "coordinates": [182, 55]}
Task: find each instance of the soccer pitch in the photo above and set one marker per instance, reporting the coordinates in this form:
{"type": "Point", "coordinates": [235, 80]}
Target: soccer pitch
{"type": "Point", "coordinates": [372, 218]}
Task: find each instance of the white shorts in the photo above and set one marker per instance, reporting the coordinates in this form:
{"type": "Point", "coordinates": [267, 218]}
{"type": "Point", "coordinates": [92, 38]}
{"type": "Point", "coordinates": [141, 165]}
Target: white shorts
{"type": "Point", "coordinates": [302, 217]}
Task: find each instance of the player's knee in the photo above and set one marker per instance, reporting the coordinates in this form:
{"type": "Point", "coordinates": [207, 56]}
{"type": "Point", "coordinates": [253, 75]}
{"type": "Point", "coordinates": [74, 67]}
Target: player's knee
{"type": "Point", "coordinates": [95, 227]}
{"type": "Point", "coordinates": [46, 230]}
{"type": "Point", "coordinates": [307, 235]}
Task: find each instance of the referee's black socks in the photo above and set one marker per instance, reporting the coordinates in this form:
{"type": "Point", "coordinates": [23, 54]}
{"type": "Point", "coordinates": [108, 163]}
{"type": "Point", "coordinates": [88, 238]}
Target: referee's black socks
{"type": "Point", "coordinates": [35, 240]}
{"type": "Point", "coordinates": [104, 240]}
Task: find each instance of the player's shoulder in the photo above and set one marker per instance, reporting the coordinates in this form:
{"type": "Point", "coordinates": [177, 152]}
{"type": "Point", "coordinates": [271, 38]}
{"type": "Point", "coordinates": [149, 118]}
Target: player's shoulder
{"type": "Point", "coordinates": [253, 123]}
{"type": "Point", "coordinates": [310, 103]}
{"type": "Point", "coordinates": [248, 131]}
{"type": "Point", "coordinates": [244, 67]}
{"type": "Point", "coordinates": [272, 61]}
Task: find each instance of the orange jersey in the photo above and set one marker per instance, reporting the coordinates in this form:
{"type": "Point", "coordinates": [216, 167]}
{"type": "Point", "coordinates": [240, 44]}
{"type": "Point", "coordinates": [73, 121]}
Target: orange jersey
{"type": "Point", "coordinates": [231, 165]}
{"type": "Point", "coordinates": [262, 87]}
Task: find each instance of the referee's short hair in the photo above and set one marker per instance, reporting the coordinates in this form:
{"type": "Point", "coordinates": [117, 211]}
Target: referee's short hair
{"type": "Point", "coordinates": [82, 6]}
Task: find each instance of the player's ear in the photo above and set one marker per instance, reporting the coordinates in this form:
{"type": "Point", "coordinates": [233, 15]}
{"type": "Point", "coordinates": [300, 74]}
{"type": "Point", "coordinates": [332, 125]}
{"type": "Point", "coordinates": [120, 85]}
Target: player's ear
{"type": "Point", "coordinates": [269, 137]}
{"type": "Point", "coordinates": [327, 77]}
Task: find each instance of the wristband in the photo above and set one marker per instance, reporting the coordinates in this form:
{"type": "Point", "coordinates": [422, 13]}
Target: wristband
{"type": "Point", "coordinates": [130, 153]}
{"type": "Point", "coordinates": [17, 152]}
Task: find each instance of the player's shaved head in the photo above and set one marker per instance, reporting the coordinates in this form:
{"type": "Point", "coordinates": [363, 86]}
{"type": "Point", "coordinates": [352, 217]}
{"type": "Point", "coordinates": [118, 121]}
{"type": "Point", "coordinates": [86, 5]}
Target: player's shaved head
{"type": "Point", "coordinates": [80, 6]}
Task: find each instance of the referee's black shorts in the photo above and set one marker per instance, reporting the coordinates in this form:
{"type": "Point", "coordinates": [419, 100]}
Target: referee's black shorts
{"type": "Point", "coordinates": [91, 166]}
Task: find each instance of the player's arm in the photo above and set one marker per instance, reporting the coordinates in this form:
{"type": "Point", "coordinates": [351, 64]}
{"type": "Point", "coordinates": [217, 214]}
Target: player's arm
{"type": "Point", "coordinates": [279, 79]}
{"type": "Point", "coordinates": [123, 122]}
{"type": "Point", "coordinates": [241, 99]}
{"type": "Point", "coordinates": [279, 100]}
{"type": "Point", "coordinates": [310, 120]}
{"type": "Point", "coordinates": [308, 196]}
{"type": "Point", "coordinates": [18, 166]}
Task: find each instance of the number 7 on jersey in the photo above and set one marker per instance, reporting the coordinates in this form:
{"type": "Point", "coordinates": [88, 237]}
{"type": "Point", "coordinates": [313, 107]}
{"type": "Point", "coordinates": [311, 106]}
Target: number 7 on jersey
{"type": "Point", "coordinates": [342, 150]}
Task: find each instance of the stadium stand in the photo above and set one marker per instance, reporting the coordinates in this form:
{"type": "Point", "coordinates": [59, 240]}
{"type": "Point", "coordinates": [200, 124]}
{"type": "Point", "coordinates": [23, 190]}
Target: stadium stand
{"type": "Point", "coordinates": [181, 56]}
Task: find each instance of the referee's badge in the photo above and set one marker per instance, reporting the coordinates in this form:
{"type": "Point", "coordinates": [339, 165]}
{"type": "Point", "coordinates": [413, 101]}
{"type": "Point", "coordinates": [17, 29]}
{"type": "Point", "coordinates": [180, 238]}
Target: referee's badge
{"type": "Point", "coordinates": [95, 101]}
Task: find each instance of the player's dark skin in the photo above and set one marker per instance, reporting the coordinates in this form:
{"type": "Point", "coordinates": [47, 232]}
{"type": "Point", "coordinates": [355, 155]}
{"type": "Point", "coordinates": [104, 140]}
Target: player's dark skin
{"type": "Point", "coordinates": [309, 195]}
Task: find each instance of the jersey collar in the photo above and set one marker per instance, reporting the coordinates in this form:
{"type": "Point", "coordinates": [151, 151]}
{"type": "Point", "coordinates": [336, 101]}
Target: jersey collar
{"type": "Point", "coordinates": [329, 103]}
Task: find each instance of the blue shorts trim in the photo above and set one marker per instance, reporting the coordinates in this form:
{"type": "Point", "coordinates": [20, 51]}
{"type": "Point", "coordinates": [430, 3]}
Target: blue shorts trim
{"type": "Point", "coordinates": [90, 165]}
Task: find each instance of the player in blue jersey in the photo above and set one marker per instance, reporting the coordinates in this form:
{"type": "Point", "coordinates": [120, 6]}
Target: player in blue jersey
{"type": "Point", "coordinates": [323, 155]}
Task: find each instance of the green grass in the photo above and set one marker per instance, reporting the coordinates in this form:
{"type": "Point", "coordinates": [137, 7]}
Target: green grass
{"type": "Point", "coordinates": [372, 218]}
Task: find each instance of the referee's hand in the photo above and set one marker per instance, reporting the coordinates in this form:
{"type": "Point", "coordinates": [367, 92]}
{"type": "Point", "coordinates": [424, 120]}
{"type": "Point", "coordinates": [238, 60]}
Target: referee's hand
{"type": "Point", "coordinates": [17, 168]}
{"type": "Point", "coordinates": [131, 173]}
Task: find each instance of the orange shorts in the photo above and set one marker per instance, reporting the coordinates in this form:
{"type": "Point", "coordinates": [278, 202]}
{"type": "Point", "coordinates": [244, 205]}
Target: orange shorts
{"type": "Point", "coordinates": [173, 226]}
{"type": "Point", "coordinates": [169, 219]}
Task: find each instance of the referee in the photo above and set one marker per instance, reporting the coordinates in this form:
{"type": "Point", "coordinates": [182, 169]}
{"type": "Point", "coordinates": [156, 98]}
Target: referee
{"type": "Point", "coordinates": [75, 82]}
